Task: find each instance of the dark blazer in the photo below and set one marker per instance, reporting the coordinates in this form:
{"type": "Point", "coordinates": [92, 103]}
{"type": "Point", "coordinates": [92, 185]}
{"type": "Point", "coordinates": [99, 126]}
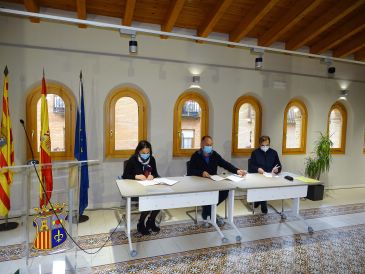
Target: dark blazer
{"type": "Point", "coordinates": [134, 167]}
{"type": "Point", "coordinates": [198, 164]}
{"type": "Point", "coordinates": [265, 160]}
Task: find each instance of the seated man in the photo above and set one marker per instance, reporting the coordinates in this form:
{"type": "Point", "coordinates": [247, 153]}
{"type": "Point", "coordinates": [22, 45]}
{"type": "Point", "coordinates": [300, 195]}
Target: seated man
{"type": "Point", "coordinates": [264, 159]}
{"type": "Point", "coordinates": [204, 163]}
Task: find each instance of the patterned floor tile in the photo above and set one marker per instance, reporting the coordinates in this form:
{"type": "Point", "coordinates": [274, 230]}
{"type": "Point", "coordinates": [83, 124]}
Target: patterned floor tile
{"type": "Point", "coordinates": [340, 250]}
{"type": "Point", "coordinates": [13, 252]}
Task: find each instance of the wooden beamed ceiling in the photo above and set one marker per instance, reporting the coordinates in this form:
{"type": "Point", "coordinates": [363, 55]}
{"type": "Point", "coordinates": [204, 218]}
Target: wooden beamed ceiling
{"type": "Point", "coordinates": [318, 25]}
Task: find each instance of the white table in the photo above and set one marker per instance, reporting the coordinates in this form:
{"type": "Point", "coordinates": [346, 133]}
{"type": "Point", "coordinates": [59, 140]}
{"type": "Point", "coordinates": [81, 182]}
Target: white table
{"type": "Point", "coordinates": [189, 191]}
{"type": "Point", "coordinates": [261, 188]}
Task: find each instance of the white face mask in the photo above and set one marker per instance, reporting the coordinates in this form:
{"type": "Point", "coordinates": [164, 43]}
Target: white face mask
{"type": "Point", "coordinates": [265, 148]}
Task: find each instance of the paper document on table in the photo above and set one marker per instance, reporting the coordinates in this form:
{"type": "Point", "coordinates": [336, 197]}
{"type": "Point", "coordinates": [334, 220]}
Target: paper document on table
{"type": "Point", "coordinates": [165, 181]}
{"type": "Point", "coordinates": [147, 182]}
{"type": "Point", "coordinates": [306, 179]}
{"type": "Point", "coordinates": [270, 175]}
{"type": "Point", "coordinates": [216, 178]}
{"type": "Point", "coordinates": [158, 181]}
{"type": "Point", "coordinates": [236, 178]}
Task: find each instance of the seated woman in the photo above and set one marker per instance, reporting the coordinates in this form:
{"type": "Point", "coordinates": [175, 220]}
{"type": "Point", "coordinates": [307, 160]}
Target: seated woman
{"type": "Point", "coordinates": [142, 166]}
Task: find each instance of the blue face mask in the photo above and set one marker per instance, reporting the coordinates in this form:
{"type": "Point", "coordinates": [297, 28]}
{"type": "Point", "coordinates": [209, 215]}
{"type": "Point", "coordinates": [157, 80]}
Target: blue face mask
{"type": "Point", "coordinates": [207, 149]}
{"type": "Point", "coordinates": [144, 156]}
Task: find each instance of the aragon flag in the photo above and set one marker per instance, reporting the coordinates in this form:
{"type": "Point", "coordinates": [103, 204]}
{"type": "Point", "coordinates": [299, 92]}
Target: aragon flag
{"type": "Point", "coordinates": [6, 152]}
{"type": "Point", "coordinates": [45, 151]}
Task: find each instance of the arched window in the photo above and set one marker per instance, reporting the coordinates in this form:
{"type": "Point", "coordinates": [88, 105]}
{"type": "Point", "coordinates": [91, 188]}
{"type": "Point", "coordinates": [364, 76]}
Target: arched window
{"type": "Point", "coordinates": [336, 127]}
{"type": "Point", "coordinates": [246, 125]}
{"type": "Point", "coordinates": [125, 122]}
{"type": "Point", "coordinates": [295, 128]}
{"type": "Point", "coordinates": [61, 115]}
{"type": "Point", "coordinates": [191, 117]}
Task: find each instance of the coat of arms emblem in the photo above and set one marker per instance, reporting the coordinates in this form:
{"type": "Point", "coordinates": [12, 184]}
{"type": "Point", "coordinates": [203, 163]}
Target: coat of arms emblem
{"type": "Point", "coordinates": [49, 231]}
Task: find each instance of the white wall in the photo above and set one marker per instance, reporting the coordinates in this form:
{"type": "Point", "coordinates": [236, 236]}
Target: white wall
{"type": "Point", "coordinates": [162, 69]}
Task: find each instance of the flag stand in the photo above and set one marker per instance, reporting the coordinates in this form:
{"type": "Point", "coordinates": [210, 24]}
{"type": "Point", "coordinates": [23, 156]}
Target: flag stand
{"type": "Point", "coordinates": [8, 225]}
{"type": "Point", "coordinates": [83, 218]}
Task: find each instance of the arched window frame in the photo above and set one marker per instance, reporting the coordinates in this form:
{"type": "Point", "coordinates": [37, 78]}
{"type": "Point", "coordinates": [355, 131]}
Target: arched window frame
{"type": "Point", "coordinates": [109, 114]}
{"type": "Point", "coordinates": [186, 96]}
{"type": "Point", "coordinates": [258, 124]}
{"type": "Point", "coordinates": [70, 117]}
{"type": "Point", "coordinates": [303, 138]}
{"type": "Point", "coordinates": [342, 109]}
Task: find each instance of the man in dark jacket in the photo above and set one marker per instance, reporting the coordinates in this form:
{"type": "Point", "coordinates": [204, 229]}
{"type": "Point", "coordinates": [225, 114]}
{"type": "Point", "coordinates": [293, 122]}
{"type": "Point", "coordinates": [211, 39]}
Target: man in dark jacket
{"type": "Point", "coordinates": [264, 159]}
{"type": "Point", "coordinates": [204, 163]}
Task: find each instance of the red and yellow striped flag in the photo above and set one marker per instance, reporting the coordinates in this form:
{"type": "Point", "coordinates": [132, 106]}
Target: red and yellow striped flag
{"type": "Point", "coordinates": [7, 151]}
{"type": "Point", "coordinates": [45, 150]}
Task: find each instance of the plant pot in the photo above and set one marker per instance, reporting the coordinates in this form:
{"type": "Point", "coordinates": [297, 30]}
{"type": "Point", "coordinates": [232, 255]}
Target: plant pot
{"type": "Point", "coordinates": [315, 192]}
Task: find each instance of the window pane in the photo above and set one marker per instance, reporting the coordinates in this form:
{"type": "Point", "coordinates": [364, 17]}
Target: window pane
{"type": "Point", "coordinates": [187, 138]}
{"type": "Point", "coordinates": [335, 128]}
{"type": "Point", "coordinates": [294, 128]}
{"type": "Point", "coordinates": [190, 125]}
{"type": "Point", "coordinates": [126, 123]}
{"type": "Point", "coordinates": [56, 120]}
{"type": "Point", "coordinates": [246, 126]}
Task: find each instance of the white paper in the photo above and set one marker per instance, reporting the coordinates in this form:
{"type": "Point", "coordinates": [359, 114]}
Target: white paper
{"type": "Point", "coordinates": [270, 175]}
{"type": "Point", "coordinates": [157, 181]}
{"type": "Point", "coordinates": [216, 178]}
{"type": "Point", "coordinates": [165, 181]}
{"type": "Point", "coordinates": [235, 178]}
{"type": "Point", "coordinates": [147, 182]}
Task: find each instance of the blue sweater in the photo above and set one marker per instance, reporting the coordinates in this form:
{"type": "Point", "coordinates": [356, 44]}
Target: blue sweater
{"type": "Point", "coordinates": [265, 160]}
{"type": "Point", "coordinates": [198, 164]}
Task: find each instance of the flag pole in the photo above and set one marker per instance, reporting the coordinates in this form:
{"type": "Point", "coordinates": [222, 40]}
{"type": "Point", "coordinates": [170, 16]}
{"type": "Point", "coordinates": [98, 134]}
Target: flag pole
{"type": "Point", "coordinates": [7, 225]}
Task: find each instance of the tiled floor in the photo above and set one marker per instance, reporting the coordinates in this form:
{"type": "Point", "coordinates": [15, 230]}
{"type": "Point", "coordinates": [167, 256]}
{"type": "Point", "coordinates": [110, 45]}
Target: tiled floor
{"type": "Point", "coordinates": [179, 238]}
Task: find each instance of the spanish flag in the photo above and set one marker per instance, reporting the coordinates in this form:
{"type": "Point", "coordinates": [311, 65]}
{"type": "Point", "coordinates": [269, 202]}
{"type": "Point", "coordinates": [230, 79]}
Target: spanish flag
{"type": "Point", "coordinates": [45, 150]}
{"type": "Point", "coordinates": [6, 152]}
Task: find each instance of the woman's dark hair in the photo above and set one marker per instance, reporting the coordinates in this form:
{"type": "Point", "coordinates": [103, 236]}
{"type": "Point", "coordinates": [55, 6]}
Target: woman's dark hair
{"type": "Point", "coordinates": [141, 145]}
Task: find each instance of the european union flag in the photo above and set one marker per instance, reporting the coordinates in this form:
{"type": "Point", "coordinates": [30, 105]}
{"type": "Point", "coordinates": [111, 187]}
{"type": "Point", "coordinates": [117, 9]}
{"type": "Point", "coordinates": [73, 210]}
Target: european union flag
{"type": "Point", "coordinates": [81, 151]}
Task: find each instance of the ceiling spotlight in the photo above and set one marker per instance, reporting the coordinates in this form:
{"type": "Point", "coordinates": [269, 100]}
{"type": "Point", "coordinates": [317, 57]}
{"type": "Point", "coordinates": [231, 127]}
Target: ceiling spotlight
{"type": "Point", "coordinates": [343, 94]}
{"type": "Point", "coordinates": [196, 82]}
{"type": "Point", "coordinates": [259, 61]}
{"type": "Point", "coordinates": [331, 69]}
{"type": "Point", "coordinates": [133, 45]}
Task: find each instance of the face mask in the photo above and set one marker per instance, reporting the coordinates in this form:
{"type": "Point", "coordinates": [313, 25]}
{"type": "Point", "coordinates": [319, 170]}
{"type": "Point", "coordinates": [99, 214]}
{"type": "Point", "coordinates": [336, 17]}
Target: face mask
{"type": "Point", "coordinates": [207, 149]}
{"type": "Point", "coordinates": [265, 148]}
{"type": "Point", "coordinates": [144, 156]}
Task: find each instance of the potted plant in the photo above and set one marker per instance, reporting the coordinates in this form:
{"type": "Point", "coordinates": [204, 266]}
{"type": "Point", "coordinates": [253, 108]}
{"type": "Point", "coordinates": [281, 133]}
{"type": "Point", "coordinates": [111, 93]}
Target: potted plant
{"type": "Point", "coordinates": [317, 164]}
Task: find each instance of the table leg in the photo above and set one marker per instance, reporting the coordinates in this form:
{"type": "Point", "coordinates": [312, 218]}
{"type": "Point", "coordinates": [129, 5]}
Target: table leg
{"type": "Point", "coordinates": [213, 221]}
{"type": "Point", "coordinates": [295, 206]}
{"type": "Point", "coordinates": [230, 214]}
{"type": "Point", "coordinates": [133, 252]}
{"type": "Point", "coordinates": [295, 209]}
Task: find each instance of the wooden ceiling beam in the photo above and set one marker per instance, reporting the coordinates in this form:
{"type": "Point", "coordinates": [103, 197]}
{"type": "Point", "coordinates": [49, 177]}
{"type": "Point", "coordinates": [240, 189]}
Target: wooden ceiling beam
{"type": "Point", "coordinates": [350, 46]}
{"type": "Point", "coordinates": [175, 9]}
{"type": "Point", "coordinates": [296, 13]}
{"type": "Point", "coordinates": [213, 18]}
{"type": "Point", "coordinates": [32, 6]}
{"type": "Point", "coordinates": [173, 14]}
{"type": "Point", "coordinates": [340, 34]}
{"type": "Point", "coordinates": [360, 55]}
{"type": "Point", "coordinates": [323, 22]}
{"type": "Point", "coordinates": [81, 11]}
{"type": "Point", "coordinates": [128, 12]}
{"type": "Point", "coordinates": [254, 15]}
